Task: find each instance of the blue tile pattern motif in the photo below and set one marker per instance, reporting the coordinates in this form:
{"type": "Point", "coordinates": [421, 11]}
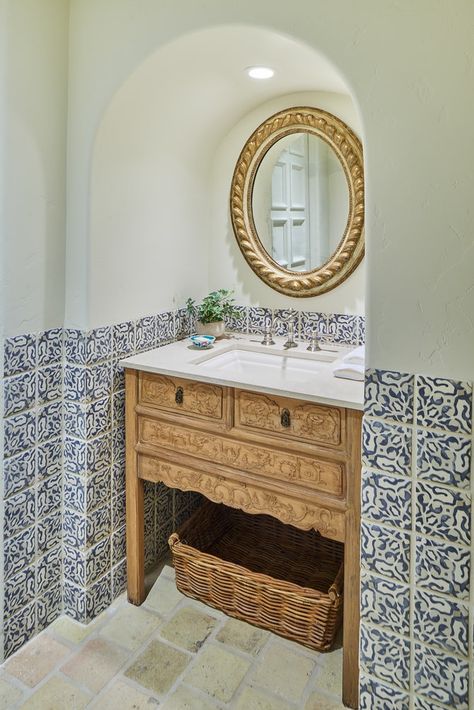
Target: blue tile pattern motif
{"type": "Point", "coordinates": [427, 521]}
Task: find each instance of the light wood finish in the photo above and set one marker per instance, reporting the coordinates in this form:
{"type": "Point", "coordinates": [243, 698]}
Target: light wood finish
{"type": "Point", "coordinates": [308, 422]}
{"type": "Point", "coordinates": [307, 475]}
{"type": "Point", "coordinates": [350, 249]}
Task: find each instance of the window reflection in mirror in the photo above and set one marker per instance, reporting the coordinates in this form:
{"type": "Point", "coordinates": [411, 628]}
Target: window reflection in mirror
{"type": "Point", "coordinates": [300, 201]}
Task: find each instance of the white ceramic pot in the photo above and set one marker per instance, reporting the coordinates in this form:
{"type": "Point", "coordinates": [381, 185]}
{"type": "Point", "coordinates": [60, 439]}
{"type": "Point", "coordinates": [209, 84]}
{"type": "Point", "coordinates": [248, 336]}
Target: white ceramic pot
{"type": "Point", "coordinates": [216, 329]}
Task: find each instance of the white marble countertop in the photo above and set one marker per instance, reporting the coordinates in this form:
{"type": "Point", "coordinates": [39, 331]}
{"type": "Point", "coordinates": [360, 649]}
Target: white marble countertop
{"type": "Point", "coordinates": [312, 379]}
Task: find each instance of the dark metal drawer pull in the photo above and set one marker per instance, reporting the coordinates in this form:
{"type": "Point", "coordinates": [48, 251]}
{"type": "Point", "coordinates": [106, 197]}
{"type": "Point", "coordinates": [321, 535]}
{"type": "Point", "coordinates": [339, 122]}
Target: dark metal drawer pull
{"type": "Point", "coordinates": [285, 418]}
{"type": "Point", "coordinates": [179, 396]}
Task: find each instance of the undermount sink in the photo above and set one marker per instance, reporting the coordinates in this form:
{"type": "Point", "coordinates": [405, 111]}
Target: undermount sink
{"type": "Point", "coordinates": [241, 361]}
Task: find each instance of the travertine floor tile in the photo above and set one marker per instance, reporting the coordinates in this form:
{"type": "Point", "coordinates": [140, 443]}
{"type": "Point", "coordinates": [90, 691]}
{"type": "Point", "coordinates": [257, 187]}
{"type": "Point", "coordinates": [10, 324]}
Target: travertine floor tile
{"type": "Point", "coordinates": [188, 628]}
{"type": "Point", "coordinates": [256, 699]}
{"type": "Point", "coordinates": [318, 702]}
{"type": "Point", "coordinates": [158, 667]}
{"type": "Point", "coordinates": [164, 596]}
{"type": "Point", "coordinates": [186, 699]}
{"type": "Point", "coordinates": [284, 672]}
{"type": "Point", "coordinates": [37, 659]}
{"type": "Point", "coordinates": [329, 677]}
{"type": "Point", "coordinates": [57, 694]}
{"type": "Point", "coordinates": [130, 627]}
{"type": "Point", "coordinates": [72, 630]}
{"type": "Point", "coordinates": [217, 672]}
{"type": "Point", "coordinates": [121, 696]}
{"type": "Point", "coordinates": [95, 664]}
{"type": "Point", "coordinates": [243, 636]}
{"type": "Point", "coordinates": [9, 695]}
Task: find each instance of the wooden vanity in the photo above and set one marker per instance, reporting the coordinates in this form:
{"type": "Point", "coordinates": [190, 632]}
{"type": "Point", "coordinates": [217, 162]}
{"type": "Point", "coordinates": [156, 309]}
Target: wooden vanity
{"type": "Point", "coordinates": [296, 460]}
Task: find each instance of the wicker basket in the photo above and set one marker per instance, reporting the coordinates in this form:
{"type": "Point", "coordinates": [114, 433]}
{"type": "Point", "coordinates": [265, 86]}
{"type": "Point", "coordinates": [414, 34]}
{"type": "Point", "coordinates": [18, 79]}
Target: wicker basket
{"type": "Point", "coordinates": [254, 568]}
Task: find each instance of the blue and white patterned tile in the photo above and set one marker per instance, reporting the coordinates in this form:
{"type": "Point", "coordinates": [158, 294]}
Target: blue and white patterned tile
{"type": "Point", "coordinates": [258, 318]}
{"type": "Point", "coordinates": [444, 513]}
{"type": "Point", "coordinates": [98, 560]}
{"type": "Point", "coordinates": [19, 552]}
{"type": "Point", "coordinates": [98, 597]}
{"type": "Point", "coordinates": [385, 603]}
{"type": "Point", "coordinates": [98, 525]}
{"type": "Point", "coordinates": [98, 489]}
{"type": "Point", "coordinates": [280, 318]}
{"type": "Point", "coordinates": [19, 472]}
{"type": "Point", "coordinates": [237, 323]}
{"type": "Point", "coordinates": [50, 347]}
{"type": "Point", "coordinates": [75, 382]}
{"type": "Point", "coordinates": [375, 695]}
{"type": "Point", "coordinates": [361, 329]}
{"type": "Point", "coordinates": [124, 339]}
{"type": "Point", "coordinates": [444, 458]}
{"type": "Point", "coordinates": [163, 501]}
{"type": "Point", "coordinates": [75, 346]}
{"type": "Point", "coordinates": [49, 532]}
{"type": "Point", "coordinates": [48, 607]}
{"type": "Point", "coordinates": [165, 327]}
{"type": "Point", "coordinates": [19, 590]}
{"type": "Point", "coordinates": [50, 383]}
{"type": "Point", "coordinates": [385, 551]}
{"type": "Point", "coordinates": [99, 345]}
{"type": "Point", "coordinates": [19, 354]}
{"type": "Point", "coordinates": [389, 395]}
{"type": "Point", "coordinates": [386, 499]}
{"type": "Point", "coordinates": [420, 703]}
{"type": "Point", "coordinates": [441, 677]}
{"type": "Point", "coordinates": [118, 376]}
{"type": "Point", "coordinates": [441, 622]}
{"type": "Point", "coordinates": [19, 628]}
{"type": "Point", "coordinates": [118, 477]}
{"type": "Point", "coordinates": [49, 458]}
{"type": "Point", "coordinates": [86, 384]}
{"type": "Point", "coordinates": [118, 511]}
{"type": "Point", "coordinates": [48, 570]}
{"type": "Point", "coordinates": [74, 565]}
{"type": "Point", "coordinates": [19, 512]}
{"type": "Point", "coordinates": [444, 404]}
{"type": "Point", "coordinates": [48, 495]}
{"type": "Point", "coordinates": [442, 567]}
{"type": "Point", "coordinates": [19, 393]}
{"type": "Point", "coordinates": [74, 598]}
{"type": "Point", "coordinates": [385, 656]}
{"type": "Point", "coordinates": [85, 458]}
{"type": "Point", "coordinates": [74, 529]}
{"type": "Point", "coordinates": [19, 433]}
{"type": "Point", "coordinates": [162, 535]}
{"type": "Point", "coordinates": [119, 579]}
{"type": "Point", "coordinates": [387, 447]}
{"type": "Point", "coordinates": [145, 334]}
{"type": "Point", "coordinates": [118, 409]}
{"type": "Point", "coordinates": [75, 419]}
{"type": "Point", "coordinates": [118, 444]}
{"type": "Point", "coordinates": [75, 492]}
{"type": "Point", "coordinates": [119, 549]}
{"type": "Point", "coordinates": [343, 328]}
{"type": "Point", "coordinates": [311, 323]}
{"type": "Point", "coordinates": [98, 418]}
{"type": "Point", "coordinates": [50, 421]}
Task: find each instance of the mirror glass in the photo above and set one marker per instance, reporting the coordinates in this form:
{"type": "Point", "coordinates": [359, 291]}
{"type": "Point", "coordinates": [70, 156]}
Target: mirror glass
{"type": "Point", "coordinates": [300, 201]}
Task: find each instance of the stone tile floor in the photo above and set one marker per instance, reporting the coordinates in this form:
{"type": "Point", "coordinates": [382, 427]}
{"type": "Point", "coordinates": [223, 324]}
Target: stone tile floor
{"type": "Point", "coordinates": [172, 652]}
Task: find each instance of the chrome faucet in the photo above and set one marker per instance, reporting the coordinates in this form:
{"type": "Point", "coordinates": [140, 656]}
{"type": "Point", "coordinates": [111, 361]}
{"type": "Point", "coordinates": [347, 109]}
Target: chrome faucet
{"type": "Point", "coordinates": [290, 335]}
{"type": "Point", "coordinates": [268, 335]}
{"type": "Point", "coordinates": [314, 345]}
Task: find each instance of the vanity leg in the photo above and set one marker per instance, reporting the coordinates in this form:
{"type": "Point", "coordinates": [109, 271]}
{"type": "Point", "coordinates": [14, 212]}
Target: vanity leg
{"type": "Point", "coordinates": [351, 623]}
{"type": "Point", "coordinates": [134, 492]}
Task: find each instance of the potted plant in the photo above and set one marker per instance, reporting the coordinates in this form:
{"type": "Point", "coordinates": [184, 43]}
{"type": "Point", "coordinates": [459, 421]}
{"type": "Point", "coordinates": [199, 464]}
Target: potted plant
{"type": "Point", "coordinates": [212, 310]}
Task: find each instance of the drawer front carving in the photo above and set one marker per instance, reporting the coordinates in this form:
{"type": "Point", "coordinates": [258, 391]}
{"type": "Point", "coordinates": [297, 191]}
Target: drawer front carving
{"type": "Point", "coordinates": [303, 421]}
{"type": "Point", "coordinates": [178, 395]}
{"type": "Point", "coordinates": [325, 476]}
{"type": "Point", "coordinates": [247, 497]}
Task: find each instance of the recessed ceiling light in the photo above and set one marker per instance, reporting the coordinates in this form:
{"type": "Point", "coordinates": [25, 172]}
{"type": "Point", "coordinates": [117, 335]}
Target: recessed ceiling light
{"type": "Point", "coordinates": [260, 72]}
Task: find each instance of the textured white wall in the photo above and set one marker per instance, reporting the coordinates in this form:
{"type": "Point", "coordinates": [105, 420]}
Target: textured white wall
{"type": "Point", "coordinates": [410, 67]}
{"type": "Point", "coordinates": [33, 147]}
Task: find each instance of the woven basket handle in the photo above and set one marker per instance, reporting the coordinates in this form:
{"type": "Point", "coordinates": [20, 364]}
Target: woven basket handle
{"type": "Point", "coordinates": [336, 588]}
{"type": "Point", "coordinates": [173, 540]}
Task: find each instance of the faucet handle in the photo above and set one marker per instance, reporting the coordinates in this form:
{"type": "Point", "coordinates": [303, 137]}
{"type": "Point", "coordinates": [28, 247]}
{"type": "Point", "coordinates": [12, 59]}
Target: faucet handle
{"type": "Point", "coordinates": [267, 335]}
{"type": "Point", "coordinates": [314, 345]}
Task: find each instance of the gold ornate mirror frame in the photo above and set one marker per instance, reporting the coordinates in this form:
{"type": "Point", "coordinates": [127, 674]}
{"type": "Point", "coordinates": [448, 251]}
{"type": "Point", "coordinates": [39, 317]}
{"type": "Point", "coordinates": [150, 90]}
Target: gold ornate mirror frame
{"type": "Point", "coordinates": [350, 250]}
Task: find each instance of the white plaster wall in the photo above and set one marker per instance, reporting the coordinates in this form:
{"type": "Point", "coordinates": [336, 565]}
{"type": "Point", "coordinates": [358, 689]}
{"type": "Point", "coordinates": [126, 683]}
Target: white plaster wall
{"type": "Point", "coordinates": [227, 266]}
{"type": "Point", "coordinates": [32, 221]}
{"type": "Point", "coordinates": [410, 66]}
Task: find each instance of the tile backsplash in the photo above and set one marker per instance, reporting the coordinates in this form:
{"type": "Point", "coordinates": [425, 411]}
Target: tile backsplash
{"type": "Point", "coordinates": [64, 462]}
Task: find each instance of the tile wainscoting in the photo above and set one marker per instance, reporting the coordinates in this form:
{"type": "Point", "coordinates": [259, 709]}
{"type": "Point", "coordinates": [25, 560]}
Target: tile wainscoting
{"type": "Point", "coordinates": [64, 462]}
{"type": "Point", "coordinates": [417, 595]}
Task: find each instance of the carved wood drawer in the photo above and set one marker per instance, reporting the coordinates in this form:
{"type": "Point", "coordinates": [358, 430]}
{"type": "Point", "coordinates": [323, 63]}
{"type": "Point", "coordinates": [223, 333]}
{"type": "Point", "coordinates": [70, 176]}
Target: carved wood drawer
{"type": "Point", "coordinates": [265, 461]}
{"type": "Point", "coordinates": [172, 394]}
{"type": "Point", "coordinates": [289, 418]}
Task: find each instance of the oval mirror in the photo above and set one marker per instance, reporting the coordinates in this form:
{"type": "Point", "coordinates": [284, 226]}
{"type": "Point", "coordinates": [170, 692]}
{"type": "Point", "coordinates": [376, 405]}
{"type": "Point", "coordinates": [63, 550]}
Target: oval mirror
{"type": "Point", "coordinates": [297, 201]}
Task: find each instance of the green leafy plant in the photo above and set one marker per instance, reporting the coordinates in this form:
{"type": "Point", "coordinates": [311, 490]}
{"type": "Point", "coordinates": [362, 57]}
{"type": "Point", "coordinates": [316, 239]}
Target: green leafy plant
{"type": "Point", "coordinates": [214, 307]}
